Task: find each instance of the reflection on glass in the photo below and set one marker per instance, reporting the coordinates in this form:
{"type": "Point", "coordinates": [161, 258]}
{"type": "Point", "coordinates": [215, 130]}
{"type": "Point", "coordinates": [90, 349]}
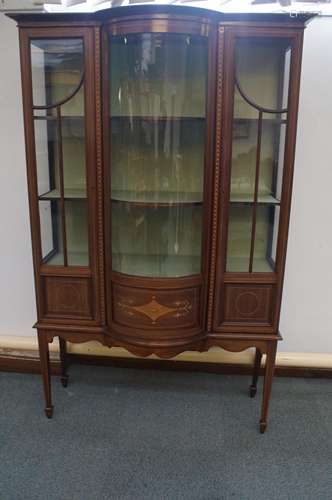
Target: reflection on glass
{"type": "Point", "coordinates": [259, 130]}
{"type": "Point", "coordinates": [240, 234]}
{"type": "Point", "coordinates": [77, 232]}
{"type": "Point", "coordinates": [158, 75]}
{"type": "Point", "coordinates": [157, 105]}
{"type": "Point", "coordinates": [157, 160]}
{"type": "Point", "coordinates": [59, 127]}
{"type": "Point", "coordinates": [266, 237]}
{"type": "Point", "coordinates": [45, 146]}
{"type": "Point", "coordinates": [163, 241]}
{"type": "Point", "coordinates": [243, 159]}
{"type": "Point", "coordinates": [51, 223]}
{"type": "Point", "coordinates": [262, 69]}
{"type": "Point", "coordinates": [73, 154]}
{"type": "Point", "coordinates": [239, 238]}
{"type": "Point", "coordinates": [51, 232]}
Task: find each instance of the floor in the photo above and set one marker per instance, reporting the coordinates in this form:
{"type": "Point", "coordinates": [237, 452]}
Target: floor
{"type": "Point", "coordinates": [146, 434]}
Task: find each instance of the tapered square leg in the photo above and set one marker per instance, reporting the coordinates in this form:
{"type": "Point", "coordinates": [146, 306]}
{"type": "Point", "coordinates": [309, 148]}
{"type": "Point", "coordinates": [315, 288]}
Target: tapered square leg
{"type": "Point", "coordinates": [268, 377]}
{"type": "Point", "coordinates": [63, 360]}
{"type": "Point", "coordinates": [257, 365]}
{"type": "Point", "coordinates": [44, 356]}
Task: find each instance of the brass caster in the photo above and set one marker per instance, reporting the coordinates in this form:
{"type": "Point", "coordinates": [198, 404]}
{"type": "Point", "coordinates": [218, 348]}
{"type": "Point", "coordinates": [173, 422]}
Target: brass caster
{"type": "Point", "coordinates": [262, 427]}
{"type": "Point", "coordinates": [252, 391]}
{"type": "Point", "coordinates": [49, 411]}
{"type": "Point", "coordinates": [64, 380]}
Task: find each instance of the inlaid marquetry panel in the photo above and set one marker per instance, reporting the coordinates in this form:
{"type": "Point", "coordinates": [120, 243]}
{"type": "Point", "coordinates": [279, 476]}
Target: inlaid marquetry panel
{"type": "Point", "coordinates": [139, 308]}
{"type": "Point", "coordinates": [248, 304]}
{"type": "Point", "coordinates": [68, 297]}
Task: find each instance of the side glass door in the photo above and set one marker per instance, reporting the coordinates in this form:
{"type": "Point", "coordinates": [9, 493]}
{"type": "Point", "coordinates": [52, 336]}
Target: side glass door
{"type": "Point", "coordinates": [157, 136]}
{"type": "Point", "coordinates": [58, 104]}
{"type": "Point", "coordinates": [262, 72]}
{"type": "Point", "coordinates": [260, 114]}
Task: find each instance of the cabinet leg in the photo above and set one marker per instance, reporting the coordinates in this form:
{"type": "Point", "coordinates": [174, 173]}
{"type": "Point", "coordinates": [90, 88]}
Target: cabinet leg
{"type": "Point", "coordinates": [257, 365]}
{"type": "Point", "coordinates": [63, 360]}
{"type": "Point", "coordinates": [44, 356]}
{"type": "Point", "coordinates": [269, 371]}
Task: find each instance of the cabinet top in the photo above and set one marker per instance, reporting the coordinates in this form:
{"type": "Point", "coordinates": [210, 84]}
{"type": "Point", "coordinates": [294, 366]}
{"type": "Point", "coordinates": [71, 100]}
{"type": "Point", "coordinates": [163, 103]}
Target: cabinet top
{"type": "Point", "coordinates": [104, 15]}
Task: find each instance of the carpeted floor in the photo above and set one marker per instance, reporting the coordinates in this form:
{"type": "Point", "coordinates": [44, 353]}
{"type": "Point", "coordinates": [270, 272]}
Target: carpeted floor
{"type": "Point", "coordinates": [145, 434]}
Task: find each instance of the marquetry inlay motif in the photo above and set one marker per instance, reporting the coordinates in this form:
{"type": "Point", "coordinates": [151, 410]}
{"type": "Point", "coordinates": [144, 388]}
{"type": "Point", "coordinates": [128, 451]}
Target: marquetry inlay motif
{"type": "Point", "coordinates": [154, 310]}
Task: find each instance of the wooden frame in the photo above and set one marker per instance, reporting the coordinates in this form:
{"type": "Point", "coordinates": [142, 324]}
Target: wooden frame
{"type": "Point", "coordinates": [78, 304]}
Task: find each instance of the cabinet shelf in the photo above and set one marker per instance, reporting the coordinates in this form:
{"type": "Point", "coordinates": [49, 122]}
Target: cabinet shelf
{"type": "Point", "coordinates": [156, 266]}
{"type": "Point", "coordinates": [74, 259]}
{"type": "Point", "coordinates": [271, 120]}
{"type": "Point", "coordinates": [157, 118]}
{"type": "Point", "coordinates": [240, 265]}
{"type": "Point", "coordinates": [248, 199]}
{"type": "Point", "coordinates": [70, 194]}
{"type": "Point", "coordinates": [148, 198]}
{"type": "Point", "coordinates": [63, 117]}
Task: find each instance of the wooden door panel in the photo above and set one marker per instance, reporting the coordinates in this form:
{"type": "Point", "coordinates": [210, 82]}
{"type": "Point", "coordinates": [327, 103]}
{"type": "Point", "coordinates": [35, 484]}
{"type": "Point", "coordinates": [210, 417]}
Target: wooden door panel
{"type": "Point", "coordinates": [249, 304]}
{"type": "Point", "coordinates": [69, 298]}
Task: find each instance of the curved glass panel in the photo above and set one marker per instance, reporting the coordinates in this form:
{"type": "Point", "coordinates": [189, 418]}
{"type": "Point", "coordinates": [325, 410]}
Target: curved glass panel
{"type": "Point", "coordinates": [259, 131]}
{"type": "Point", "coordinates": [157, 122]}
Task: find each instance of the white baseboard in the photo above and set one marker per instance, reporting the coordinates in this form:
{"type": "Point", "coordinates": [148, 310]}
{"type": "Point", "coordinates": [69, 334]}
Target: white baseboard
{"type": "Point", "coordinates": [13, 345]}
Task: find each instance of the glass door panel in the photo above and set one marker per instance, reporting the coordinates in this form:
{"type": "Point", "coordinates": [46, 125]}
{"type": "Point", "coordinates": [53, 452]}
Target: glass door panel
{"type": "Point", "coordinates": [51, 231]}
{"type": "Point", "coordinates": [157, 121]}
{"type": "Point", "coordinates": [59, 125]}
{"type": "Point", "coordinates": [259, 130]}
{"type": "Point", "coordinates": [239, 238]}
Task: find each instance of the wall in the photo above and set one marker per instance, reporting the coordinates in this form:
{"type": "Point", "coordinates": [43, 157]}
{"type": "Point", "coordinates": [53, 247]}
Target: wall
{"type": "Point", "coordinates": [17, 301]}
{"type": "Point", "coordinates": [306, 320]}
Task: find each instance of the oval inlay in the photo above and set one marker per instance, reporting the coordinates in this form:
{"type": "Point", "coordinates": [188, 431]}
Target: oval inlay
{"type": "Point", "coordinates": [247, 303]}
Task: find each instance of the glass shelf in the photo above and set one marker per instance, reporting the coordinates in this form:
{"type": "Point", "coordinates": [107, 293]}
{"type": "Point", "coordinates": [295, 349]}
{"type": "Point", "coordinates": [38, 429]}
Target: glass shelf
{"type": "Point", "coordinates": [74, 259]}
{"type": "Point", "coordinates": [263, 199]}
{"type": "Point", "coordinates": [54, 117]}
{"type": "Point", "coordinates": [69, 194]}
{"type": "Point", "coordinates": [269, 120]}
{"type": "Point", "coordinates": [166, 266]}
{"type": "Point", "coordinates": [157, 117]}
{"type": "Point", "coordinates": [157, 197]}
{"type": "Point", "coordinates": [240, 265]}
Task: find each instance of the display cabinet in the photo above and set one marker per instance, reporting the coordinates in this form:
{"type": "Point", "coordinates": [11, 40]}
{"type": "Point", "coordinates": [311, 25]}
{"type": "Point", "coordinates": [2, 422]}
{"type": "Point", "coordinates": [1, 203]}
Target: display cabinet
{"type": "Point", "coordinates": [160, 146]}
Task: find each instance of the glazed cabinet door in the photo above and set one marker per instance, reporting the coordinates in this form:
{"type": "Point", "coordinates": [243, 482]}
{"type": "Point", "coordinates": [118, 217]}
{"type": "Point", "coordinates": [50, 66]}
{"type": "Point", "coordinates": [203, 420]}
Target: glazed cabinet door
{"type": "Point", "coordinates": [261, 79]}
{"type": "Point", "coordinates": [158, 123]}
{"type": "Point", "coordinates": [59, 96]}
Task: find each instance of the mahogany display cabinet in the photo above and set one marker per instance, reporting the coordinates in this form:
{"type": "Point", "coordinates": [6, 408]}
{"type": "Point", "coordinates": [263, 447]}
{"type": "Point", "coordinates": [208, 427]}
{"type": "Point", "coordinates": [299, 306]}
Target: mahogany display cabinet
{"type": "Point", "coordinates": [160, 145]}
